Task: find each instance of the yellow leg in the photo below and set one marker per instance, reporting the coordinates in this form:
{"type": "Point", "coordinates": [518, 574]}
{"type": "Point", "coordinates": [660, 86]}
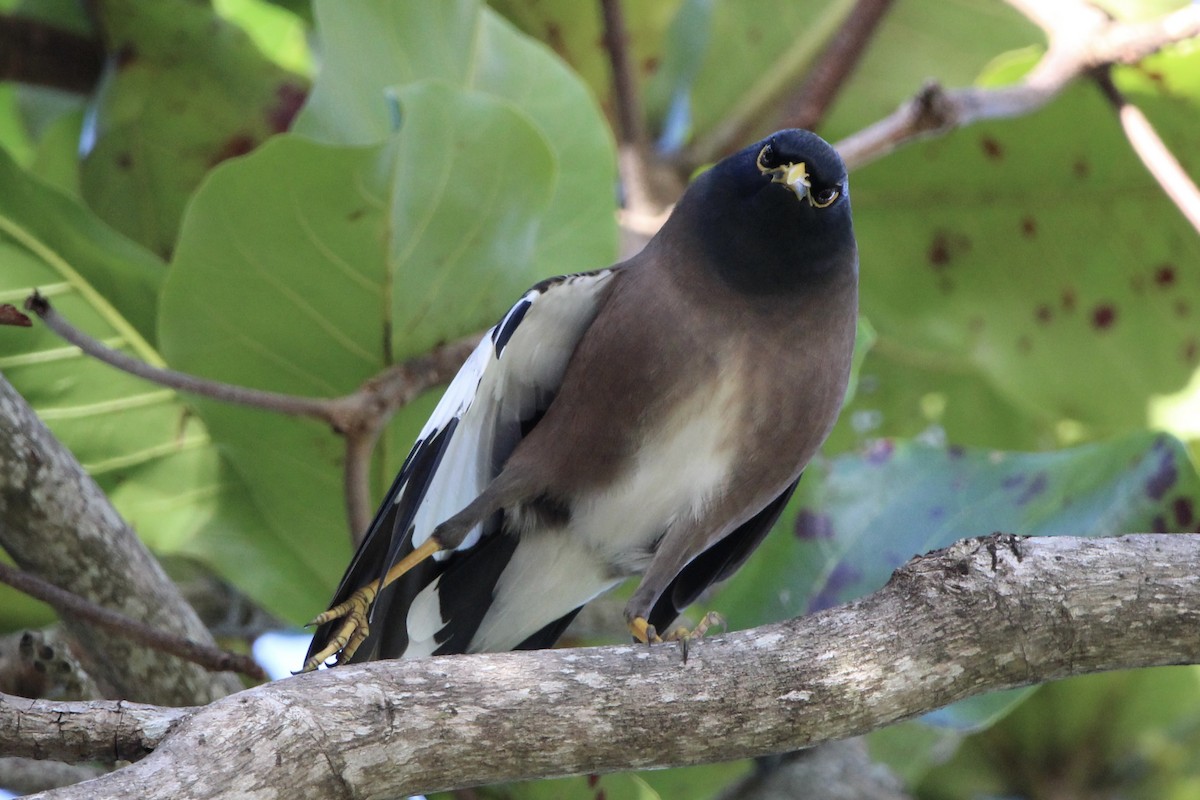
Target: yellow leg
{"type": "Point", "coordinates": [353, 630]}
{"type": "Point", "coordinates": [685, 637]}
{"type": "Point", "coordinates": [643, 631]}
{"type": "Point", "coordinates": [683, 634]}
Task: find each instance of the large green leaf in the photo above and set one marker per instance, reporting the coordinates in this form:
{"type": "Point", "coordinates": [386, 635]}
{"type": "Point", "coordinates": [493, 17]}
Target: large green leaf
{"type": "Point", "coordinates": [76, 251]}
{"type": "Point", "coordinates": [185, 90]}
{"type": "Point", "coordinates": [757, 53]}
{"type": "Point", "coordinates": [730, 66]}
{"type": "Point", "coordinates": [575, 31]}
{"type": "Point", "coordinates": [1125, 734]}
{"type": "Point", "coordinates": [858, 517]}
{"type": "Point", "coordinates": [1045, 263]}
{"type": "Point", "coordinates": [14, 138]}
{"type": "Point", "coordinates": [151, 456]}
{"type": "Point", "coordinates": [281, 34]}
{"type": "Point", "coordinates": [910, 48]}
{"type": "Point", "coordinates": [373, 46]}
{"type": "Point", "coordinates": [308, 268]}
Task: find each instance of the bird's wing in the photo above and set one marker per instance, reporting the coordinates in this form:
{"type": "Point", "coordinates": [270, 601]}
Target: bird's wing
{"type": "Point", "coordinates": [495, 399]}
{"type": "Point", "coordinates": [717, 563]}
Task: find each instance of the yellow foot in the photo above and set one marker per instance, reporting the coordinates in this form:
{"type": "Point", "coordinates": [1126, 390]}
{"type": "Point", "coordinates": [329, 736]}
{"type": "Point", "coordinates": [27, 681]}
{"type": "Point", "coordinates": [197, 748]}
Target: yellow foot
{"type": "Point", "coordinates": [350, 634]}
{"type": "Point", "coordinates": [645, 633]}
{"type": "Point", "coordinates": [685, 637]}
{"type": "Point", "coordinates": [353, 631]}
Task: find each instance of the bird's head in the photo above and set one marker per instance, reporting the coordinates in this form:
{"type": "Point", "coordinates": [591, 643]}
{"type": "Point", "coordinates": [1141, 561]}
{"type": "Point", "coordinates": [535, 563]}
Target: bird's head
{"type": "Point", "coordinates": [775, 215]}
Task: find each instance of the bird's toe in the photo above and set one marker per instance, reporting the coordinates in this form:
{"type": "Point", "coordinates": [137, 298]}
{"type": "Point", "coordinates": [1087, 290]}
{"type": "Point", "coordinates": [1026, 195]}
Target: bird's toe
{"type": "Point", "coordinates": [685, 637]}
{"type": "Point", "coordinates": [349, 634]}
{"type": "Point", "coordinates": [643, 631]}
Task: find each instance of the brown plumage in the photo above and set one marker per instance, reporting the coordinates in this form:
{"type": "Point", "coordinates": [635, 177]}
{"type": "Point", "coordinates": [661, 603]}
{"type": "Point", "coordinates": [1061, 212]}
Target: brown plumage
{"type": "Point", "coordinates": [651, 419]}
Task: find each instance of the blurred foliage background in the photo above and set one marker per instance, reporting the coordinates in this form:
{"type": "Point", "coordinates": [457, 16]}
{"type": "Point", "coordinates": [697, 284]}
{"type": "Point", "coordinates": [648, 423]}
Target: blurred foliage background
{"type": "Point", "coordinates": [295, 196]}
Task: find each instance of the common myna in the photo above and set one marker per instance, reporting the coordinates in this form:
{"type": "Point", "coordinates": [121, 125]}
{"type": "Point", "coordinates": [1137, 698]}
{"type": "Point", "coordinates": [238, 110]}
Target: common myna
{"type": "Point", "coordinates": [651, 419]}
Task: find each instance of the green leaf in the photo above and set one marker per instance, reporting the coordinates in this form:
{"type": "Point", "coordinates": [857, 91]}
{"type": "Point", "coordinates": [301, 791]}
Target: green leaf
{"type": "Point", "coordinates": [858, 517]}
{"type": "Point", "coordinates": [371, 47]}
{"type": "Point", "coordinates": [758, 51]}
{"type": "Point", "coordinates": [13, 136]}
{"type": "Point", "coordinates": [279, 33]}
{"type": "Point", "coordinates": [74, 252]}
{"type": "Point", "coordinates": [965, 35]}
{"type": "Point", "coordinates": [150, 455]}
{"type": "Point", "coordinates": [308, 268]}
{"type": "Point", "coordinates": [185, 91]}
{"type": "Point", "coordinates": [575, 32]}
{"type": "Point", "coordinates": [20, 611]}
{"type": "Point", "coordinates": [1123, 734]}
{"type": "Point", "coordinates": [65, 14]}
{"type": "Point", "coordinates": [1048, 265]}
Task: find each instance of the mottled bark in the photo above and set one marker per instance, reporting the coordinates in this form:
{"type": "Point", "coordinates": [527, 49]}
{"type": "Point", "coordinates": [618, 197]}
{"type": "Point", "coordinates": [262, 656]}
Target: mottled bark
{"type": "Point", "coordinates": [57, 524]}
{"type": "Point", "coordinates": [982, 615]}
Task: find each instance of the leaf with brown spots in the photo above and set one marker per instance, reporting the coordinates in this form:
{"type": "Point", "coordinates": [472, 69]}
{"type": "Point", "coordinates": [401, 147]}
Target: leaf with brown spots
{"type": "Point", "coordinates": [882, 511]}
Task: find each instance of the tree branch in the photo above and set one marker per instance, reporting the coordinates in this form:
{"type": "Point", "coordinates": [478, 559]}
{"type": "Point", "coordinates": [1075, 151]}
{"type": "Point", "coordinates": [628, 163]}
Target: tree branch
{"type": "Point", "coordinates": [359, 416]}
{"type": "Point", "coordinates": [834, 66]}
{"type": "Point", "coordinates": [1158, 159]}
{"type": "Point", "coordinates": [36, 53]}
{"type": "Point", "coordinates": [29, 775]}
{"type": "Point", "coordinates": [70, 604]}
{"type": "Point", "coordinates": [982, 615]}
{"type": "Point", "coordinates": [1081, 40]}
{"type": "Point", "coordinates": [291, 405]}
{"type": "Point", "coordinates": [647, 187]}
{"type": "Point", "coordinates": [57, 524]}
{"type": "Point", "coordinates": [93, 730]}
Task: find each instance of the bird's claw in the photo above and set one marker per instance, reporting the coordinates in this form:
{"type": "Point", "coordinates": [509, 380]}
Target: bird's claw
{"type": "Point", "coordinates": [350, 634]}
{"type": "Point", "coordinates": [645, 633]}
{"type": "Point", "coordinates": [685, 637]}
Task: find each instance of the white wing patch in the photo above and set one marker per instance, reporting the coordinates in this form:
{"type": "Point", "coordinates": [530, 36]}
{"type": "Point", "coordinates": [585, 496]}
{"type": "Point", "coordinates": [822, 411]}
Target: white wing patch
{"type": "Point", "coordinates": [512, 374]}
{"type": "Point", "coordinates": [517, 366]}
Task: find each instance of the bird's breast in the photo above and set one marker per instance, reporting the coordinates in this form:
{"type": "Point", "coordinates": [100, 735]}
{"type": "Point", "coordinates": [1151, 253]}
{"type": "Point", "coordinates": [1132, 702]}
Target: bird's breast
{"type": "Point", "coordinates": [680, 467]}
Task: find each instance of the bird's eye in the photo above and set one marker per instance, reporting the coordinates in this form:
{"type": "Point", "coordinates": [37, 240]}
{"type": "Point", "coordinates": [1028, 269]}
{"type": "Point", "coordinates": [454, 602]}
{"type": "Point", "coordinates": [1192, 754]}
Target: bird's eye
{"type": "Point", "coordinates": [767, 159]}
{"type": "Point", "coordinates": [822, 198]}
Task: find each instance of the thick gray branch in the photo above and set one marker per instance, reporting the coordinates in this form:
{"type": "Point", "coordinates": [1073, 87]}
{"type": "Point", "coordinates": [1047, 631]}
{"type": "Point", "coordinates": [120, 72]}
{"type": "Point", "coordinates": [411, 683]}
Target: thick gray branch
{"type": "Point", "coordinates": [56, 523]}
{"type": "Point", "coordinates": [982, 615]}
{"type": "Point", "coordinates": [92, 730]}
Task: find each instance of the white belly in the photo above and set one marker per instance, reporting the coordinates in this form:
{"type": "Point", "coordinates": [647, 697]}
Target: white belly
{"type": "Point", "coordinates": [676, 475]}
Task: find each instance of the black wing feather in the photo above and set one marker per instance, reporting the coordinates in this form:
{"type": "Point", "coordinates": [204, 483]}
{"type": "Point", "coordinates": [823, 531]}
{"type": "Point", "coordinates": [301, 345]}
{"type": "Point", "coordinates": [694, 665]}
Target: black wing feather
{"type": "Point", "coordinates": [717, 562]}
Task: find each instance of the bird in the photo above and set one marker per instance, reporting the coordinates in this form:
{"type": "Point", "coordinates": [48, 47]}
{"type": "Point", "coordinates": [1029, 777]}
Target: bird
{"type": "Point", "coordinates": [648, 419]}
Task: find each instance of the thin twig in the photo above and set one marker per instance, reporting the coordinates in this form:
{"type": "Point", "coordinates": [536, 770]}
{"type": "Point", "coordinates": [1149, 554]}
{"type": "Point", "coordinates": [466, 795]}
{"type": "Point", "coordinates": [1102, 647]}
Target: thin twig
{"type": "Point", "coordinates": [1084, 40]}
{"type": "Point", "coordinates": [1153, 152]}
{"type": "Point", "coordinates": [241, 395]}
{"type": "Point", "coordinates": [65, 602]}
{"type": "Point", "coordinates": [356, 477]}
{"type": "Point", "coordinates": [633, 151]}
{"type": "Point", "coordinates": [758, 105]}
{"type": "Point", "coordinates": [616, 42]}
{"type": "Point", "coordinates": [359, 416]}
{"type": "Point", "coordinates": [831, 69]}
{"type": "Point", "coordinates": [32, 51]}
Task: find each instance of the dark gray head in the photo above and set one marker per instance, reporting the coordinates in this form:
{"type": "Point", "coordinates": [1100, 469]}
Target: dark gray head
{"type": "Point", "coordinates": [774, 217]}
